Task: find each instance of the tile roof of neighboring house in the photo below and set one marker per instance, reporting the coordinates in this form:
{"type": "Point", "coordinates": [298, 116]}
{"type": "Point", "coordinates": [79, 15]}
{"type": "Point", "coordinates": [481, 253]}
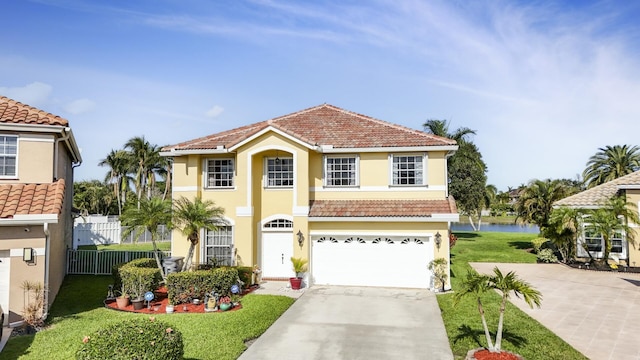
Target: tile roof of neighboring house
{"type": "Point", "coordinates": [31, 199]}
{"type": "Point", "coordinates": [14, 112]}
{"type": "Point", "coordinates": [601, 193]}
{"type": "Point", "coordinates": [324, 125]}
{"type": "Point", "coordinates": [381, 208]}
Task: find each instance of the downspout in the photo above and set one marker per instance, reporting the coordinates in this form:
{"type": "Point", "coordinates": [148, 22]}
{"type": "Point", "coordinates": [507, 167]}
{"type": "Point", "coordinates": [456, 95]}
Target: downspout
{"type": "Point", "coordinates": [47, 251]}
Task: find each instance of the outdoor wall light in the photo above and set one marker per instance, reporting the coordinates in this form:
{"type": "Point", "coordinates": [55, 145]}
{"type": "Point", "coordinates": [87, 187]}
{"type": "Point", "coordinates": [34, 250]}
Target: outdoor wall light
{"type": "Point", "coordinates": [438, 240]}
{"type": "Point", "coordinates": [27, 255]}
{"type": "Point", "coordinates": [300, 238]}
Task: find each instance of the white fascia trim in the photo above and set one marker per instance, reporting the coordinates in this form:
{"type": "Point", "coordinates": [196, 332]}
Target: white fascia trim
{"type": "Point", "coordinates": [395, 188]}
{"type": "Point", "coordinates": [370, 233]}
{"type": "Point", "coordinates": [185, 188]}
{"type": "Point", "coordinates": [277, 131]}
{"type": "Point", "coordinates": [629, 187]}
{"type": "Point", "coordinates": [29, 220]}
{"type": "Point", "coordinates": [174, 152]}
{"type": "Point", "coordinates": [441, 218]}
{"type": "Point", "coordinates": [244, 210]}
{"type": "Point", "coordinates": [36, 138]}
{"type": "Point", "coordinates": [56, 129]}
{"type": "Point", "coordinates": [300, 211]}
{"type": "Point", "coordinates": [18, 252]}
{"type": "Point", "coordinates": [330, 149]}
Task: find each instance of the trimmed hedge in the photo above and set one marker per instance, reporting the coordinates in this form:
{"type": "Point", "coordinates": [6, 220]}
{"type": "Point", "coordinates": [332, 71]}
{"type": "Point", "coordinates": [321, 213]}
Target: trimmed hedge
{"type": "Point", "coordinates": [245, 273]}
{"type": "Point", "coordinates": [185, 286]}
{"type": "Point", "coordinates": [139, 338]}
{"type": "Point", "coordinates": [140, 276]}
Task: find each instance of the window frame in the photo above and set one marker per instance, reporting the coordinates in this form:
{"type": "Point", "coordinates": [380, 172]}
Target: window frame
{"type": "Point", "coordinates": [392, 171]}
{"type": "Point", "coordinates": [207, 173]}
{"type": "Point", "coordinates": [356, 171]}
{"type": "Point", "coordinates": [267, 181]}
{"type": "Point", "coordinates": [230, 233]}
{"type": "Point", "coordinates": [4, 156]}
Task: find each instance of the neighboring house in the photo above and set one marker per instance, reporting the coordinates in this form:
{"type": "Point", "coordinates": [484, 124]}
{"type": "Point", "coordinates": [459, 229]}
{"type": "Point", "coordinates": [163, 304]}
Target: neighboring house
{"type": "Point", "coordinates": [362, 199]}
{"type": "Point", "coordinates": [629, 187]}
{"type": "Point", "coordinates": [37, 155]}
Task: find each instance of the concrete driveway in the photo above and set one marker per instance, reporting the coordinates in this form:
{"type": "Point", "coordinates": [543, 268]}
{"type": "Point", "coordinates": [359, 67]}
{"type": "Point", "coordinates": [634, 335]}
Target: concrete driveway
{"type": "Point", "coordinates": [596, 312]}
{"type": "Point", "coordinates": [356, 323]}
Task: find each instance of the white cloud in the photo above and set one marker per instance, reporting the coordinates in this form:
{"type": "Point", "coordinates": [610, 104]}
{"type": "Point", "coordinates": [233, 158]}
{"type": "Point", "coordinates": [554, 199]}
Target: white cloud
{"type": "Point", "coordinates": [215, 111]}
{"type": "Point", "coordinates": [35, 94]}
{"type": "Point", "coordinates": [79, 106]}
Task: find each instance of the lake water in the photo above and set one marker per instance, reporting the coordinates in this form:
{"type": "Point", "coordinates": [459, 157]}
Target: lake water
{"type": "Point", "coordinates": [532, 229]}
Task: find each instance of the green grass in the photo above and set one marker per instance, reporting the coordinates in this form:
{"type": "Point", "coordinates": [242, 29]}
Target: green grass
{"type": "Point", "coordinates": [163, 246]}
{"type": "Point", "coordinates": [78, 311]}
{"type": "Point", "coordinates": [522, 334]}
{"type": "Point", "coordinates": [506, 219]}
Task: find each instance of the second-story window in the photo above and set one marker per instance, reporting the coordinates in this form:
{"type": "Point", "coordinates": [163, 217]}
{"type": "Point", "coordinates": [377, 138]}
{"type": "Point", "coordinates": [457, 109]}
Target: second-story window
{"type": "Point", "coordinates": [279, 172]}
{"type": "Point", "coordinates": [341, 171]}
{"type": "Point", "coordinates": [219, 173]}
{"type": "Point", "coordinates": [8, 155]}
{"type": "Point", "coordinates": [407, 169]}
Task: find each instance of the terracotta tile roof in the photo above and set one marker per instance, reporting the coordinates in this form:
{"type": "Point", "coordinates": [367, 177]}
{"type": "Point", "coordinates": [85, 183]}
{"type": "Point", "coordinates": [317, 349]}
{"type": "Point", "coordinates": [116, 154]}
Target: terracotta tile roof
{"type": "Point", "coordinates": [31, 199]}
{"type": "Point", "coordinates": [14, 112]}
{"type": "Point", "coordinates": [601, 193]}
{"type": "Point", "coordinates": [381, 208]}
{"type": "Point", "coordinates": [324, 125]}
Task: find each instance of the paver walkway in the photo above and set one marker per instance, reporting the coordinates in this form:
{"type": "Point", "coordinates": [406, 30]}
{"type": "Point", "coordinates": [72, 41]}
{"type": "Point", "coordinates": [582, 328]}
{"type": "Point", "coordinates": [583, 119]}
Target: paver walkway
{"type": "Point", "coordinates": [596, 312]}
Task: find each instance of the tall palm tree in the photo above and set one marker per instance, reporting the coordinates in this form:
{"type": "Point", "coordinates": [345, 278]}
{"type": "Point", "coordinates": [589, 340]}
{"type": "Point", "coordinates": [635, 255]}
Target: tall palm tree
{"type": "Point", "coordinates": [149, 215]}
{"type": "Point", "coordinates": [441, 128]}
{"type": "Point", "coordinates": [536, 201]}
{"type": "Point", "coordinates": [490, 195]}
{"type": "Point", "coordinates": [611, 219]}
{"type": "Point", "coordinates": [611, 162]}
{"type": "Point", "coordinates": [476, 285]}
{"type": "Point", "coordinates": [507, 284]}
{"type": "Point", "coordinates": [192, 216]}
{"type": "Point", "coordinates": [147, 160]}
{"type": "Point", "coordinates": [118, 162]}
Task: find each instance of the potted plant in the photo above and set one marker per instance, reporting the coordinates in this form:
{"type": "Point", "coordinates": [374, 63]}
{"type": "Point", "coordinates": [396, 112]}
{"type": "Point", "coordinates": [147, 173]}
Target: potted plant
{"type": "Point", "coordinates": [123, 300]}
{"type": "Point", "coordinates": [169, 308]}
{"type": "Point", "coordinates": [225, 303]}
{"type": "Point", "coordinates": [299, 268]}
{"type": "Point", "coordinates": [137, 292]}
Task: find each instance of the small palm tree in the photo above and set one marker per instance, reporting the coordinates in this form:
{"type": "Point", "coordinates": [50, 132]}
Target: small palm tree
{"type": "Point", "coordinates": [507, 284]}
{"type": "Point", "coordinates": [536, 200]}
{"type": "Point", "coordinates": [191, 216]}
{"type": "Point", "coordinates": [149, 215]}
{"type": "Point", "coordinates": [611, 162]}
{"type": "Point", "coordinates": [476, 285]}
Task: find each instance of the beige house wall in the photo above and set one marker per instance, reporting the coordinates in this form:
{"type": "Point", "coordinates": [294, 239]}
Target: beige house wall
{"type": "Point", "coordinates": [35, 159]}
{"type": "Point", "coordinates": [633, 196]}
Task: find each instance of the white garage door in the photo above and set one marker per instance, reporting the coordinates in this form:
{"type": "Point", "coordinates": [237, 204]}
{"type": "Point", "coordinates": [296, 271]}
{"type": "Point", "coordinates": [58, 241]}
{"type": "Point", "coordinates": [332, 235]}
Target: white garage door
{"type": "Point", "coordinates": [372, 261]}
{"type": "Point", "coordinates": [4, 283]}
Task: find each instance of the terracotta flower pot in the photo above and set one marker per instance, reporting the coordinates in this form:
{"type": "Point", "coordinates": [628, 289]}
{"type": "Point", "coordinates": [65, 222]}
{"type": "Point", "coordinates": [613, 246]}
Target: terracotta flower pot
{"type": "Point", "coordinates": [122, 302]}
{"type": "Point", "coordinates": [295, 283]}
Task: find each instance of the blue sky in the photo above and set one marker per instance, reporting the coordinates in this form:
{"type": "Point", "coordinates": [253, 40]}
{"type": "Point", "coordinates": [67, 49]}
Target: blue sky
{"type": "Point", "coordinates": [544, 83]}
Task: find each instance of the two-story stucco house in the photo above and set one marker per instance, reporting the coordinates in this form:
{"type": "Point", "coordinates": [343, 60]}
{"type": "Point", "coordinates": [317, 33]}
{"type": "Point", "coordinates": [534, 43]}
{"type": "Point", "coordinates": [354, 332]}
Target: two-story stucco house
{"type": "Point", "coordinates": [362, 199]}
{"type": "Point", "coordinates": [37, 155]}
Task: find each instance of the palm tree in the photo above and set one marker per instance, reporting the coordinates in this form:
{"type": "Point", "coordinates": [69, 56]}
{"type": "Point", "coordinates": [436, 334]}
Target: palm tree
{"type": "Point", "coordinates": [536, 201]}
{"type": "Point", "coordinates": [191, 216]}
{"type": "Point", "coordinates": [476, 285]}
{"type": "Point", "coordinates": [611, 219]}
{"type": "Point", "coordinates": [149, 215]}
{"type": "Point", "coordinates": [147, 162]}
{"type": "Point", "coordinates": [441, 128]}
{"type": "Point", "coordinates": [118, 162]}
{"type": "Point", "coordinates": [506, 284]}
{"type": "Point", "coordinates": [611, 162]}
{"type": "Point", "coordinates": [563, 227]}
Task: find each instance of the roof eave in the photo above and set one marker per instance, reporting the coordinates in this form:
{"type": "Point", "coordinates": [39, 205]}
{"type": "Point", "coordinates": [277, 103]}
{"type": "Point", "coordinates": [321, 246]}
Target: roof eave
{"type": "Point", "coordinates": [277, 131]}
{"type": "Point", "coordinates": [34, 219]}
{"type": "Point", "coordinates": [329, 149]}
{"type": "Point", "coordinates": [178, 152]}
{"type": "Point", "coordinates": [430, 218]}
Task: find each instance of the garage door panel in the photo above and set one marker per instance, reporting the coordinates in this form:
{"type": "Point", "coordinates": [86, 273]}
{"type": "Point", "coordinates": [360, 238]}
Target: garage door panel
{"type": "Point", "coordinates": [371, 264]}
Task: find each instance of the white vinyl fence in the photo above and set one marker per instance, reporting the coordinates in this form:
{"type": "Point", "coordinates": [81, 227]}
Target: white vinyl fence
{"type": "Point", "coordinates": [100, 262]}
{"type": "Point", "coordinates": [103, 230]}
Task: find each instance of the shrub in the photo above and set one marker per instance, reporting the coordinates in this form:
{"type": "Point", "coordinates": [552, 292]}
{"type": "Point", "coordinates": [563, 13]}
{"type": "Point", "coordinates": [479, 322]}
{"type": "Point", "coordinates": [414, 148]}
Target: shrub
{"type": "Point", "coordinates": [139, 276]}
{"type": "Point", "coordinates": [184, 286]}
{"type": "Point", "coordinates": [245, 273]}
{"type": "Point", "coordinates": [538, 244]}
{"type": "Point", "coordinates": [224, 278]}
{"type": "Point", "coordinates": [138, 338]}
{"type": "Point", "coordinates": [547, 256]}
{"type": "Point", "coordinates": [115, 272]}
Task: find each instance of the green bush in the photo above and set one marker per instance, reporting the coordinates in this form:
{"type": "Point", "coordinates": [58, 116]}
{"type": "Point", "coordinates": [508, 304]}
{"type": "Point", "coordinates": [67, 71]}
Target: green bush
{"type": "Point", "coordinates": [245, 273]}
{"type": "Point", "coordinates": [184, 286]}
{"type": "Point", "coordinates": [538, 244]}
{"type": "Point", "coordinates": [117, 280]}
{"type": "Point", "coordinates": [139, 276]}
{"type": "Point", "coordinates": [547, 256]}
{"type": "Point", "coordinates": [139, 338]}
{"type": "Point", "coordinates": [223, 279]}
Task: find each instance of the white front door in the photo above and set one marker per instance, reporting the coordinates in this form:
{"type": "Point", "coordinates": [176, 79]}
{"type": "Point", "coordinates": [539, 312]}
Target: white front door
{"type": "Point", "coordinates": [277, 250]}
{"type": "Point", "coordinates": [4, 283]}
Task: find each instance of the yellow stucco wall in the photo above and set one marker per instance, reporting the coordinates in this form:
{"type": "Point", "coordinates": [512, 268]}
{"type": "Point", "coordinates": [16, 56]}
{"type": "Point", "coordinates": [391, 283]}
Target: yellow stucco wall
{"type": "Point", "coordinates": [633, 196]}
{"type": "Point", "coordinates": [35, 159]}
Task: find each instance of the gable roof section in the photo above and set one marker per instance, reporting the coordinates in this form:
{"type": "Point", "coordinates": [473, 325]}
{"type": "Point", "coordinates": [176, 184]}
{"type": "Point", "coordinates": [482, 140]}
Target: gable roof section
{"type": "Point", "coordinates": [14, 112]}
{"type": "Point", "coordinates": [597, 195]}
{"type": "Point", "coordinates": [21, 200]}
{"type": "Point", "coordinates": [381, 208]}
{"type": "Point", "coordinates": [325, 126]}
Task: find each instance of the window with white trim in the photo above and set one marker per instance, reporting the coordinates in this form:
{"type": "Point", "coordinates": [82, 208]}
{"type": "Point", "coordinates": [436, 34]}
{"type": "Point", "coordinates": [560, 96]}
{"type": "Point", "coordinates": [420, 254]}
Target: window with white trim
{"type": "Point", "coordinates": [279, 172]}
{"type": "Point", "coordinates": [407, 170]}
{"type": "Point", "coordinates": [219, 173]}
{"type": "Point", "coordinates": [279, 224]}
{"type": "Point", "coordinates": [341, 171]}
{"type": "Point", "coordinates": [218, 246]}
{"type": "Point", "coordinates": [8, 155]}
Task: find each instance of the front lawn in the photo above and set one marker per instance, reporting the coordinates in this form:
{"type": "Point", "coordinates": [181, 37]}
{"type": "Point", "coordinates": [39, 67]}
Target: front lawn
{"type": "Point", "coordinates": [522, 334]}
{"type": "Point", "coordinates": [78, 311]}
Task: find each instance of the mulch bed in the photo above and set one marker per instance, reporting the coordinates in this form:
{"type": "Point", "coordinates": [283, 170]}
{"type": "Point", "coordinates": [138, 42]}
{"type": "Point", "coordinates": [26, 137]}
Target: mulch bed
{"type": "Point", "coordinates": [159, 304]}
{"type": "Point", "coordinates": [595, 267]}
{"type": "Point", "coordinates": [484, 354]}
